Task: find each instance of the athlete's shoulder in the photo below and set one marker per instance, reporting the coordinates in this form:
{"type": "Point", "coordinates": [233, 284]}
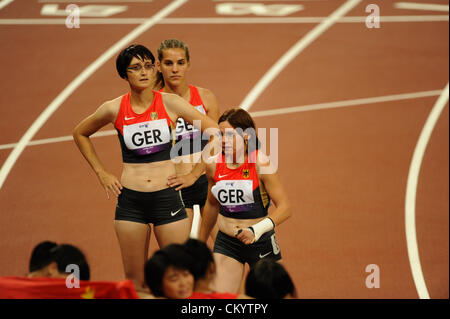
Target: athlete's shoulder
{"type": "Point", "coordinates": [205, 93]}
{"type": "Point", "coordinates": [114, 103]}
{"type": "Point", "coordinates": [109, 109]}
{"type": "Point", "coordinates": [210, 102]}
{"type": "Point", "coordinates": [211, 166]}
{"type": "Point", "coordinates": [264, 164]}
{"type": "Point", "coordinates": [169, 97]}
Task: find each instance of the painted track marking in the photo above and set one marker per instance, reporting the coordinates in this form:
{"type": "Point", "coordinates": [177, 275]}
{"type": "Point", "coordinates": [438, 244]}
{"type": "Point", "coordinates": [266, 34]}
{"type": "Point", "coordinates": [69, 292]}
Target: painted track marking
{"type": "Point", "coordinates": [277, 111]}
{"type": "Point", "coordinates": [309, 38]}
{"type": "Point", "coordinates": [411, 189]}
{"type": "Point", "coordinates": [421, 6]}
{"type": "Point", "coordinates": [83, 76]}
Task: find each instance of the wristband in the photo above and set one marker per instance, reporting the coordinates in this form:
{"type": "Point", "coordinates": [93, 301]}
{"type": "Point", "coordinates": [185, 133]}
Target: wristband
{"type": "Point", "coordinates": [262, 227]}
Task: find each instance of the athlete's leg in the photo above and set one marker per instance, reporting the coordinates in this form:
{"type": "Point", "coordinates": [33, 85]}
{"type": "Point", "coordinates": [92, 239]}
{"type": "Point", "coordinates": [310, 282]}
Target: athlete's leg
{"type": "Point", "coordinates": [190, 213]}
{"type": "Point", "coordinates": [173, 233]}
{"type": "Point", "coordinates": [134, 239]}
{"type": "Point", "coordinates": [213, 234]}
{"type": "Point", "coordinates": [229, 274]}
{"type": "Point", "coordinates": [244, 277]}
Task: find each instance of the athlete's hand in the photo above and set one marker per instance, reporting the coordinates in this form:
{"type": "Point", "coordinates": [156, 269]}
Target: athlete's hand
{"type": "Point", "coordinates": [110, 183]}
{"type": "Point", "coordinates": [182, 181]}
{"type": "Point", "coordinates": [245, 235]}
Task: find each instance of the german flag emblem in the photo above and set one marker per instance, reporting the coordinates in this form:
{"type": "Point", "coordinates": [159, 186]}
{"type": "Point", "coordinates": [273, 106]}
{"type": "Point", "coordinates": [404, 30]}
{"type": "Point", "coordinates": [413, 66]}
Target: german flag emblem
{"type": "Point", "coordinates": [246, 173]}
{"type": "Point", "coordinates": [154, 115]}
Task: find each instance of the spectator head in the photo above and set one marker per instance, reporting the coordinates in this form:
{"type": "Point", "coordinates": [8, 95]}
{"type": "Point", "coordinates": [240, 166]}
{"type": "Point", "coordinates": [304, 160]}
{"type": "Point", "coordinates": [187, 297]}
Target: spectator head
{"type": "Point", "coordinates": [51, 260]}
{"type": "Point", "coordinates": [40, 256]}
{"type": "Point", "coordinates": [167, 273]}
{"type": "Point", "coordinates": [268, 279]}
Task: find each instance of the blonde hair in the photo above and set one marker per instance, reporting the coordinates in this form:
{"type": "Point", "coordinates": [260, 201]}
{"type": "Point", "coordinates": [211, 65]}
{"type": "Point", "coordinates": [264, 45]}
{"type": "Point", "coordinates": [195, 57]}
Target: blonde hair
{"type": "Point", "coordinates": [172, 44]}
{"type": "Point", "coordinates": [169, 44]}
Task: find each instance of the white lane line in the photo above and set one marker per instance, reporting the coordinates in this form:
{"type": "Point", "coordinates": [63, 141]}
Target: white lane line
{"type": "Point", "coordinates": [273, 72]}
{"type": "Point", "coordinates": [411, 189]}
{"type": "Point", "coordinates": [91, 1]}
{"type": "Point", "coordinates": [83, 76]}
{"type": "Point", "coordinates": [4, 3]}
{"type": "Point", "coordinates": [421, 6]}
{"type": "Point", "coordinates": [277, 111]}
{"type": "Point", "coordinates": [263, 0]}
{"type": "Point", "coordinates": [57, 139]}
{"type": "Point", "coordinates": [346, 103]}
{"type": "Point", "coordinates": [194, 21]}
{"type": "Point", "coordinates": [409, 18]}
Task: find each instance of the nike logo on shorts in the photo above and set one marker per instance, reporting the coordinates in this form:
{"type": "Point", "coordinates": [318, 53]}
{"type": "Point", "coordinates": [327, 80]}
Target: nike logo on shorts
{"type": "Point", "coordinates": [173, 214]}
{"type": "Point", "coordinates": [262, 256]}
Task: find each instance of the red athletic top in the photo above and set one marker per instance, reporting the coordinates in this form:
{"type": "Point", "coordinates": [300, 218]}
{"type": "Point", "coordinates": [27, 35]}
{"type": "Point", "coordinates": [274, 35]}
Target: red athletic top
{"type": "Point", "coordinates": [239, 191]}
{"type": "Point", "coordinates": [212, 295]}
{"type": "Point", "coordinates": [145, 137]}
{"type": "Point", "coordinates": [190, 137]}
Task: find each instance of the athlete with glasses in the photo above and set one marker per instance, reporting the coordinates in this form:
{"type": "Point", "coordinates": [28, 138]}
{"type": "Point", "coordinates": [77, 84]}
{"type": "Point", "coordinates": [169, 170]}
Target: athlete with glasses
{"type": "Point", "coordinates": [145, 122]}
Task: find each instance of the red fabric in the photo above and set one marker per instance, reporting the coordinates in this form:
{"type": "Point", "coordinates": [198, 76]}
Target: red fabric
{"type": "Point", "coordinates": [213, 295]}
{"type": "Point", "coordinates": [55, 288]}
{"type": "Point", "coordinates": [244, 172]}
{"type": "Point", "coordinates": [196, 99]}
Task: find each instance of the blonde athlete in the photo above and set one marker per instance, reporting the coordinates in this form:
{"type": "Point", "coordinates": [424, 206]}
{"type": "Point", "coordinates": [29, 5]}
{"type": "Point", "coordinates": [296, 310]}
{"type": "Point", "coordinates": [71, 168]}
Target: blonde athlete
{"type": "Point", "coordinates": [174, 65]}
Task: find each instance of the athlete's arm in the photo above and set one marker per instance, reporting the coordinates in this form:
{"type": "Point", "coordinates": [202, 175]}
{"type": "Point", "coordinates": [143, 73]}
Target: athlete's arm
{"type": "Point", "coordinates": [210, 102]}
{"type": "Point", "coordinates": [212, 111]}
{"type": "Point", "coordinates": [278, 196]}
{"type": "Point", "coordinates": [275, 190]}
{"type": "Point", "coordinates": [105, 114]}
{"type": "Point", "coordinates": [211, 209]}
{"type": "Point", "coordinates": [183, 181]}
{"type": "Point", "coordinates": [178, 107]}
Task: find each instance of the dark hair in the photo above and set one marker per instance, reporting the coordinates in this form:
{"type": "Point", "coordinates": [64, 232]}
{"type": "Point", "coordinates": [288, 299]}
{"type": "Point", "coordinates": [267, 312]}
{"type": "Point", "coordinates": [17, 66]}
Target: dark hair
{"type": "Point", "coordinates": [202, 256]}
{"type": "Point", "coordinates": [66, 254]}
{"type": "Point", "coordinates": [126, 55]}
{"type": "Point", "coordinates": [41, 256]}
{"type": "Point", "coordinates": [47, 252]}
{"type": "Point", "coordinates": [173, 255]}
{"type": "Point", "coordinates": [269, 279]}
{"type": "Point", "coordinates": [170, 44]}
{"type": "Point", "coordinates": [241, 119]}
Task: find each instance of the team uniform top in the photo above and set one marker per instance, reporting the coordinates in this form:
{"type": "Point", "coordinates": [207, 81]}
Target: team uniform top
{"type": "Point", "coordinates": [239, 191]}
{"type": "Point", "coordinates": [188, 136]}
{"type": "Point", "coordinates": [146, 137]}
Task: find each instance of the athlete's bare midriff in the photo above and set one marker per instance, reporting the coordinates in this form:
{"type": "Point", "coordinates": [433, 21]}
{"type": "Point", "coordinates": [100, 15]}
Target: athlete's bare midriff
{"type": "Point", "coordinates": [147, 177]}
{"type": "Point", "coordinates": [229, 226]}
{"type": "Point", "coordinates": [186, 163]}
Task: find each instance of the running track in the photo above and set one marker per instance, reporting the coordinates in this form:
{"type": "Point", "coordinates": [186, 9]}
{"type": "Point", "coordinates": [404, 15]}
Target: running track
{"type": "Point", "coordinates": [350, 104]}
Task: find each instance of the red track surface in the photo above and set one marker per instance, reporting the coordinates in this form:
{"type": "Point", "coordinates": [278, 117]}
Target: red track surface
{"type": "Point", "coordinates": [345, 169]}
